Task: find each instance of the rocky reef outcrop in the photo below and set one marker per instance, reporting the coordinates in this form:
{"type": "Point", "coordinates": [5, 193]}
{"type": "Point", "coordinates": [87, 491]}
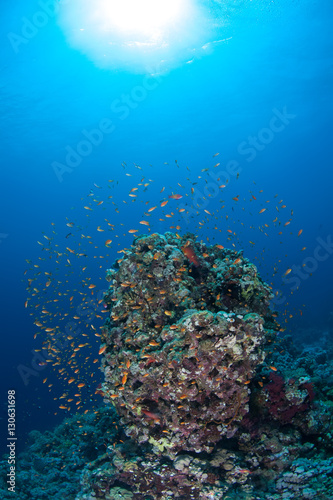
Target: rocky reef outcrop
{"type": "Point", "coordinates": [185, 350]}
{"type": "Point", "coordinates": [203, 399]}
{"type": "Point", "coordinates": [184, 337]}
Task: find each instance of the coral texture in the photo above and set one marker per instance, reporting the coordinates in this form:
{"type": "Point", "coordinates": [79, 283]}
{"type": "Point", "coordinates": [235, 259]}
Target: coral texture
{"type": "Point", "coordinates": [184, 338]}
{"type": "Point", "coordinates": [214, 404]}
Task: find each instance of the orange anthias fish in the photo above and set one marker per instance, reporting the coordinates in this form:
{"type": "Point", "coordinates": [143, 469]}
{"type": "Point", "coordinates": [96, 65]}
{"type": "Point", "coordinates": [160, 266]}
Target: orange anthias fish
{"type": "Point", "coordinates": [190, 254]}
{"type": "Point", "coordinates": [175, 196]}
{"type": "Point", "coordinates": [153, 416]}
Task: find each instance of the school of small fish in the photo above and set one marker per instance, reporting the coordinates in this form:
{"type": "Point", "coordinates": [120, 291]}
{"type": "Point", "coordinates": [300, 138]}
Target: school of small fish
{"type": "Point", "coordinates": [66, 283]}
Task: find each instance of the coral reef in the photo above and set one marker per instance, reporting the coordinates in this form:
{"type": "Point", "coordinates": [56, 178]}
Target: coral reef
{"type": "Point", "coordinates": [299, 392]}
{"type": "Point", "coordinates": [210, 402]}
{"type": "Point", "coordinates": [187, 476]}
{"type": "Point", "coordinates": [285, 399]}
{"type": "Point", "coordinates": [185, 335]}
{"type": "Point", "coordinates": [273, 465]}
{"type": "Point", "coordinates": [52, 463]}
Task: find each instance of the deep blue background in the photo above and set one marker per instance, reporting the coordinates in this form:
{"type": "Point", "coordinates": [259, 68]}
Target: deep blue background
{"type": "Point", "coordinates": [50, 93]}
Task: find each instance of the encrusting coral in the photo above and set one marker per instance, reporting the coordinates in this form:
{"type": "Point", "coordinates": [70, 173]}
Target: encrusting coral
{"type": "Point", "coordinates": [184, 359]}
{"type": "Point", "coordinates": [212, 403]}
{"type": "Point", "coordinates": [182, 341]}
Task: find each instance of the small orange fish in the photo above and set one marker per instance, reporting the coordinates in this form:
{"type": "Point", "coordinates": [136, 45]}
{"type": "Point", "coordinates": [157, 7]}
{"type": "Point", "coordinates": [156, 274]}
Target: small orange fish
{"type": "Point", "coordinates": [151, 415]}
{"type": "Point", "coordinates": [262, 210]}
{"type": "Point", "coordinates": [107, 242]}
{"type": "Point", "coordinates": [164, 203]}
{"type": "Point", "coordinates": [153, 343]}
{"type": "Point", "coordinates": [175, 196]}
{"type": "Point", "coordinates": [273, 368]}
{"type": "Point", "coordinates": [288, 271]}
{"type": "Point", "coordinates": [102, 349]}
{"type": "Point", "coordinates": [190, 254]}
{"type": "Point", "coordinates": [300, 232]}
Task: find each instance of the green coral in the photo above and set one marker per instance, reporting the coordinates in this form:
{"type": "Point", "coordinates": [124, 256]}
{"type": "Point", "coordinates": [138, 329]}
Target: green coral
{"type": "Point", "coordinates": [118, 493]}
{"type": "Point", "coordinates": [161, 444]}
{"type": "Point", "coordinates": [250, 288]}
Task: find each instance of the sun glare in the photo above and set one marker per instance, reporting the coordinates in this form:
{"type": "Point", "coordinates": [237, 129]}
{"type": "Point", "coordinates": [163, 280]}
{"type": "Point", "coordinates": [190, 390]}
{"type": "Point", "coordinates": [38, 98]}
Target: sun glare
{"type": "Point", "coordinates": [135, 34]}
{"type": "Point", "coordinates": [144, 17]}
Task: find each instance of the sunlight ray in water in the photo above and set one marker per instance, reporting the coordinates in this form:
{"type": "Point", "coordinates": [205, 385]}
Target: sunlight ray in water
{"type": "Point", "coordinates": [136, 35]}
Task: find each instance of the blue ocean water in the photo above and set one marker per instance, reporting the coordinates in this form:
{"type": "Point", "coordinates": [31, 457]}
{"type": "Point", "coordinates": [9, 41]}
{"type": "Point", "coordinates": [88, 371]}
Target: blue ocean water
{"type": "Point", "coordinates": [251, 81]}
